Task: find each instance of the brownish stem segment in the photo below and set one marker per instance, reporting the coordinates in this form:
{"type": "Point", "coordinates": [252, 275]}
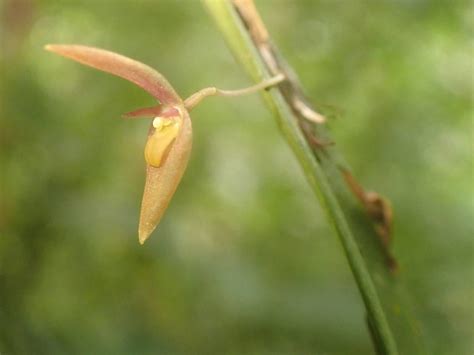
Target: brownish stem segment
{"type": "Point", "coordinates": [292, 91]}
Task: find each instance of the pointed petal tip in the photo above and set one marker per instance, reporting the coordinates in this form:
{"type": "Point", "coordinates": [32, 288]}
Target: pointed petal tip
{"type": "Point", "coordinates": [57, 48]}
{"type": "Point", "coordinates": [143, 235]}
{"type": "Point", "coordinates": [54, 47]}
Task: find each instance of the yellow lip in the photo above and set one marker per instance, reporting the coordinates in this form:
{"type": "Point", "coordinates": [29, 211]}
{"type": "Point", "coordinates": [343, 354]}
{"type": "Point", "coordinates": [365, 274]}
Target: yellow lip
{"type": "Point", "coordinates": [160, 141]}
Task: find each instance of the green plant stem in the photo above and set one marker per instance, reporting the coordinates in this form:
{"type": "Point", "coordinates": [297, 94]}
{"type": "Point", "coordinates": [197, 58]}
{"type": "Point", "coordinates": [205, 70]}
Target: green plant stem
{"type": "Point", "coordinates": [323, 174]}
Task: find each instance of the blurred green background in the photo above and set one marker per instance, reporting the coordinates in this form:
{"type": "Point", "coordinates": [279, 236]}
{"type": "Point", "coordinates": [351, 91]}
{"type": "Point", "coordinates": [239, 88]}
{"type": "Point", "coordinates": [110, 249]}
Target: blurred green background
{"type": "Point", "coordinates": [244, 261]}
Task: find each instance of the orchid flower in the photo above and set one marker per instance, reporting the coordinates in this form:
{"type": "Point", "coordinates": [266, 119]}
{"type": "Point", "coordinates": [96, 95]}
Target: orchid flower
{"type": "Point", "coordinates": [169, 141]}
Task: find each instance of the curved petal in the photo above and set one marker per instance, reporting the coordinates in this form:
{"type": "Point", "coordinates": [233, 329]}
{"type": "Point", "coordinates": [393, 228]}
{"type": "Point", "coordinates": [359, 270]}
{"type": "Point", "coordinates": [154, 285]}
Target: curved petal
{"type": "Point", "coordinates": [151, 112]}
{"type": "Point", "coordinates": [162, 182]}
{"type": "Point", "coordinates": [138, 73]}
{"type": "Point", "coordinates": [145, 112]}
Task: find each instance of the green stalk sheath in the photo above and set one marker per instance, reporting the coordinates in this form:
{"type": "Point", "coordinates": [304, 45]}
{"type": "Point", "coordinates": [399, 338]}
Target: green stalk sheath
{"type": "Point", "coordinates": [388, 307]}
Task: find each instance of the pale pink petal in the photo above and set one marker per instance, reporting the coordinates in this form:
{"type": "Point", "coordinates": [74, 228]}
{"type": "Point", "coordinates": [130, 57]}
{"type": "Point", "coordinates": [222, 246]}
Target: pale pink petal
{"type": "Point", "coordinates": [138, 73]}
{"type": "Point", "coordinates": [162, 182]}
{"type": "Point", "coordinates": [150, 112]}
{"type": "Point", "coordinates": [147, 112]}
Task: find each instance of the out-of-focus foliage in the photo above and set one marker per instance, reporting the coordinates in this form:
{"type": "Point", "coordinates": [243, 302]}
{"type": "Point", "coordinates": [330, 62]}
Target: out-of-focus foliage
{"type": "Point", "coordinates": [244, 261]}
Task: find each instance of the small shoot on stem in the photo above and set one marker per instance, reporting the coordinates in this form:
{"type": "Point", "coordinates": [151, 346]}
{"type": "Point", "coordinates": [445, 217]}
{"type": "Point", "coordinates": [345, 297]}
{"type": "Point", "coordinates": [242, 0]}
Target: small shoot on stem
{"type": "Point", "coordinates": [169, 139]}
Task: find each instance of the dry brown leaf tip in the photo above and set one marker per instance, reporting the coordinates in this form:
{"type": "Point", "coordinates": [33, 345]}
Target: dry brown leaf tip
{"type": "Point", "coordinates": [380, 212]}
